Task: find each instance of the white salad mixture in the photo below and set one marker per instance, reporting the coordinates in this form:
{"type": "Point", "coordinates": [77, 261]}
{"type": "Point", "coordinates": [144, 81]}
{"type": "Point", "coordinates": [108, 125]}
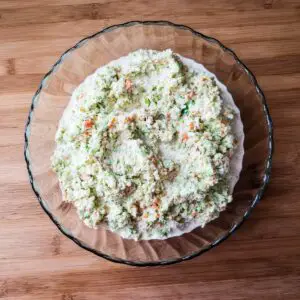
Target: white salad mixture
{"type": "Point", "coordinates": [145, 145]}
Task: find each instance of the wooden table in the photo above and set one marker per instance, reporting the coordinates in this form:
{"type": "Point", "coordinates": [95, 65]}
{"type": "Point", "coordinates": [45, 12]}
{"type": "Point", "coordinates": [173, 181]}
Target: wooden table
{"type": "Point", "coordinates": [261, 261]}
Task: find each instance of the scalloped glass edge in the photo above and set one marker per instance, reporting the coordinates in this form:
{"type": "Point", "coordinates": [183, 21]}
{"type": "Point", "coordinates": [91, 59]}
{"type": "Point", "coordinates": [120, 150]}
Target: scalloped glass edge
{"type": "Point", "coordinates": [258, 196]}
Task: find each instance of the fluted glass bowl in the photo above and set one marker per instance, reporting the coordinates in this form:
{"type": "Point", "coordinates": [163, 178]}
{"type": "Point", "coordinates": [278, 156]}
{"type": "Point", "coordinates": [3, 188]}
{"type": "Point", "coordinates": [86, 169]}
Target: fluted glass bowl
{"type": "Point", "coordinates": [83, 59]}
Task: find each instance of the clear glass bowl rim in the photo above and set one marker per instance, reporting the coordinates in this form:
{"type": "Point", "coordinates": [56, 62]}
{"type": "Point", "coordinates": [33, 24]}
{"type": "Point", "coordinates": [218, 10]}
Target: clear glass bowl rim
{"type": "Point", "coordinates": [267, 171]}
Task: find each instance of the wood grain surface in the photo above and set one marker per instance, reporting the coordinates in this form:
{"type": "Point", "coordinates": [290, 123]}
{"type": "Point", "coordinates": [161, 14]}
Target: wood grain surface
{"type": "Point", "coordinates": [261, 261]}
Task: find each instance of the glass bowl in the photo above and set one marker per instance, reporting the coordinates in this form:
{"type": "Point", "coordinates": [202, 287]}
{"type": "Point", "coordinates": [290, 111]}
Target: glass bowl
{"type": "Point", "coordinates": [83, 59]}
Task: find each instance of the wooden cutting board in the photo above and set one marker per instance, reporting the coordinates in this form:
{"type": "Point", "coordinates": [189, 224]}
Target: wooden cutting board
{"type": "Point", "coordinates": [261, 261]}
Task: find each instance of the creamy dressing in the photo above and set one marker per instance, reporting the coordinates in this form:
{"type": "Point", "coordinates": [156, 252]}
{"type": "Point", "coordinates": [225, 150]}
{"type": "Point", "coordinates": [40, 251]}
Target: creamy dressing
{"type": "Point", "coordinates": [127, 162]}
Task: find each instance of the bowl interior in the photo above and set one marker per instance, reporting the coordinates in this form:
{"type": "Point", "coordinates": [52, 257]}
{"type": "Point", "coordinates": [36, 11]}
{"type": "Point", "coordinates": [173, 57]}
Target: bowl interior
{"type": "Point", "coordinates": [82, 60]}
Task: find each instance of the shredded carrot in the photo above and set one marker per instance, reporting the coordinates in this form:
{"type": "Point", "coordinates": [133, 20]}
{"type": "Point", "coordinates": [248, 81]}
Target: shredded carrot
{"type": "Point", "coordinates": [156, 203]}
{"type": "Point", "coordinates": [168, 115]}
{"type": "Point", "coordinates": [128, 84]}
{"type": "Point", "coordinates": [130, 119]}
{"type": "Point", "coordinates": [112, 123]}
{"type": "Point", "coordinates": [88, 124]}
{"type": "Point", "coordinates": [191, 94]}
{"type": "Point", "coordinates": [185, 137]}
{"type": "Point", "coordinates": [191, 126]}
{"type": "Point", "coordinates": [154, 160]}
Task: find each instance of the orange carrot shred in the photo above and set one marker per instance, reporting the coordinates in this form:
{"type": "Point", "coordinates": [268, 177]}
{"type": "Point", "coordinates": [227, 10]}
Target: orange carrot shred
{"type": "Point", "coordinates": [88, 124]}
{"type": "Point", "coordinates": [191, 126]}
{"type": "Point", "coordinates": [185, 137]}
{"type": "Point", "coordinates": [128, 84]}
